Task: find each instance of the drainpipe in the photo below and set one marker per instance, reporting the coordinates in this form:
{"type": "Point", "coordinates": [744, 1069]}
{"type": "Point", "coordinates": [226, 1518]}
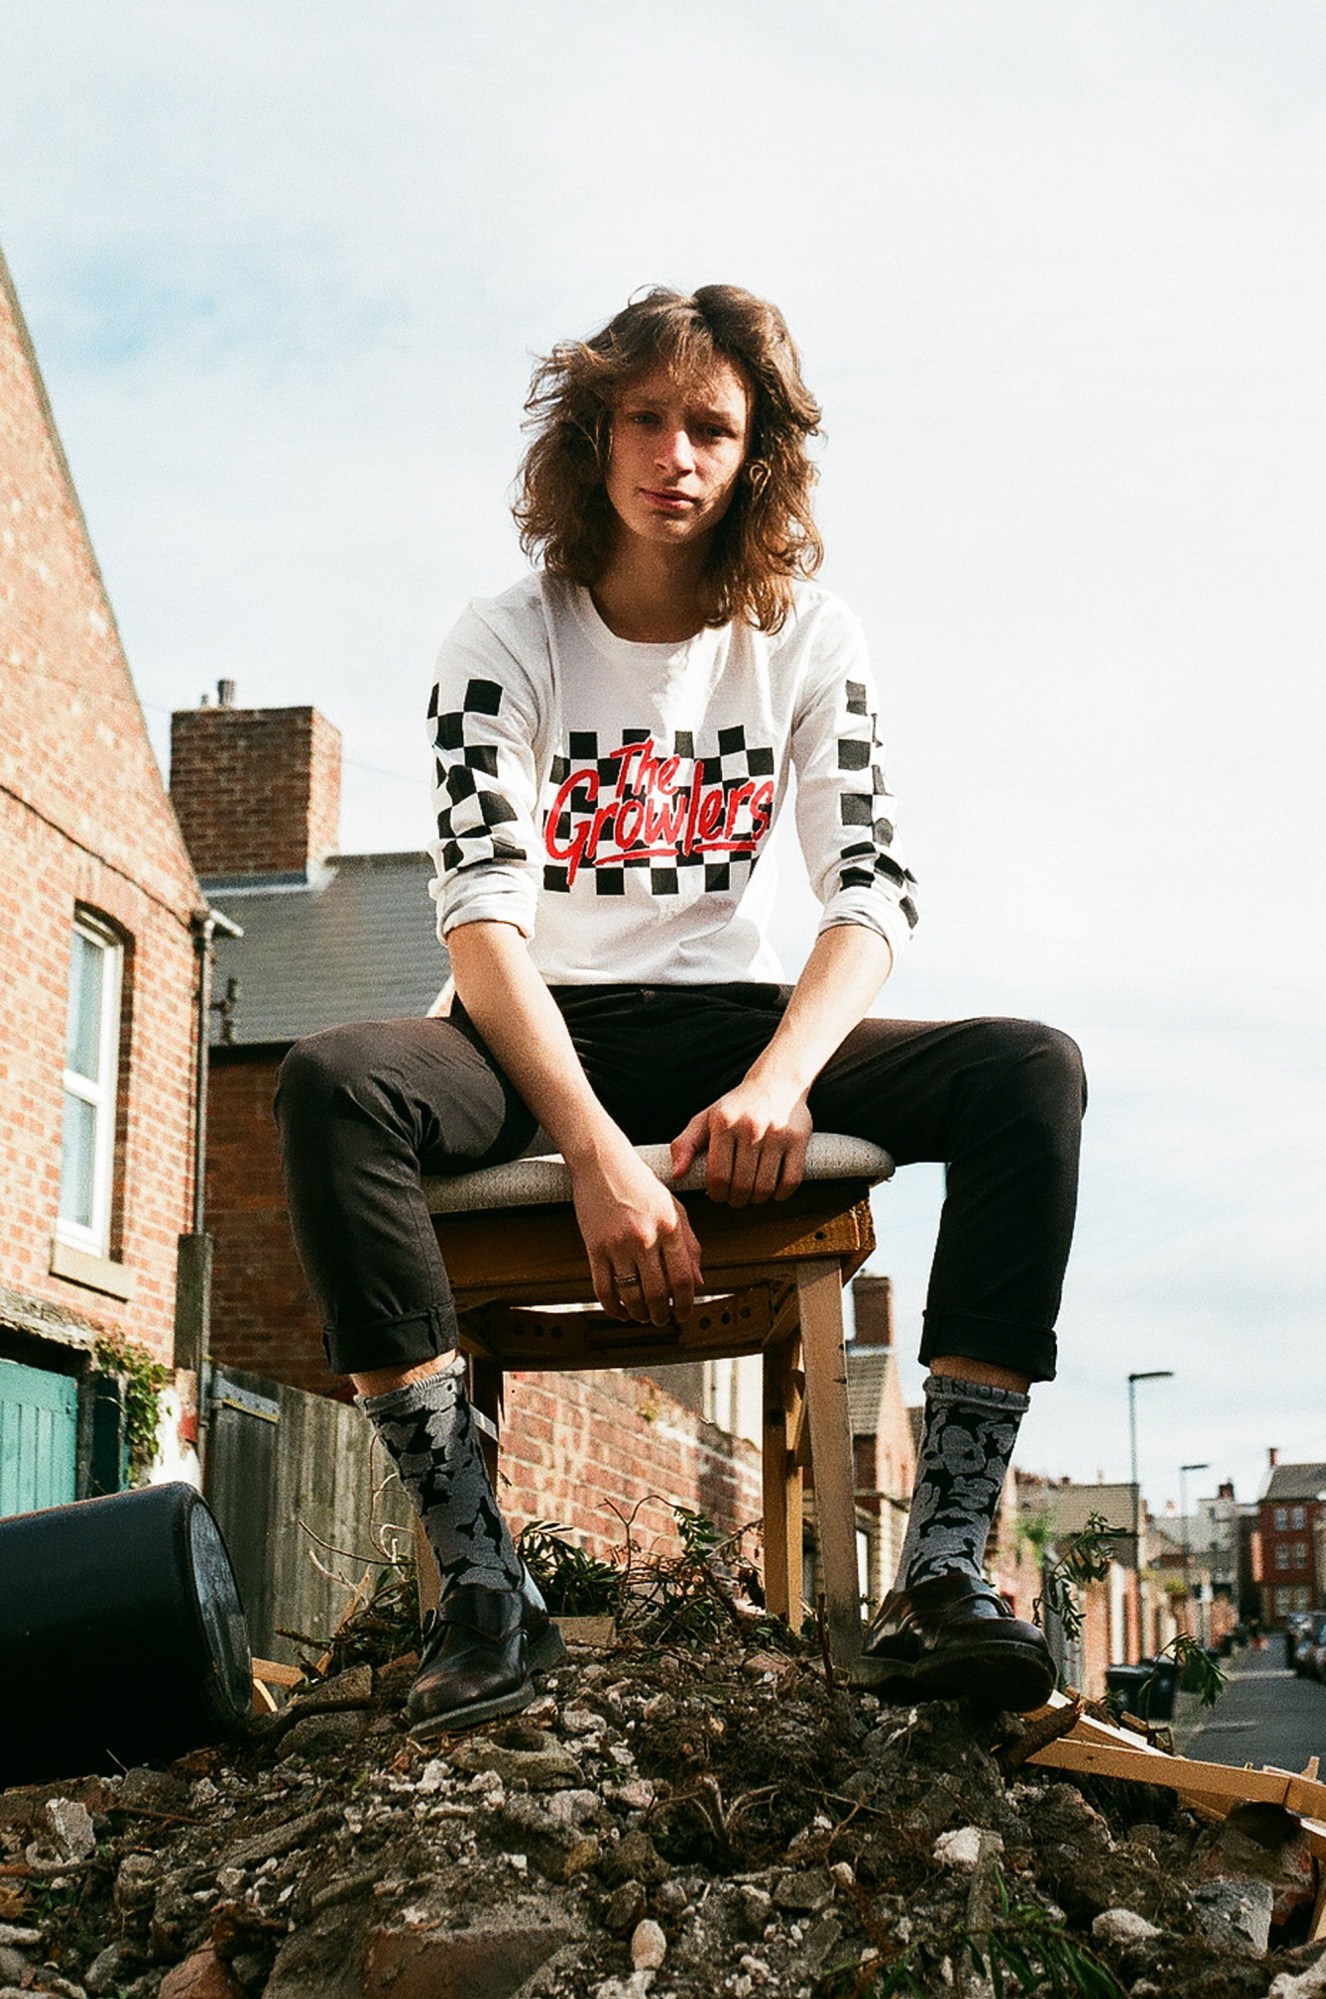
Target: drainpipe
{"type": "Point", "coordinates": [193, 1284]}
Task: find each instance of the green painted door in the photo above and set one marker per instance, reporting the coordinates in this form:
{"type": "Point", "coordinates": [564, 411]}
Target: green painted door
{"type": "Point", "coordinates": [38, 1438]}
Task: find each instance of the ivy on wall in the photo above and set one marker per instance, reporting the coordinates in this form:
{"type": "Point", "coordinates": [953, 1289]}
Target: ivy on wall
{"type": "Point", "coordinates": [143, 1379]}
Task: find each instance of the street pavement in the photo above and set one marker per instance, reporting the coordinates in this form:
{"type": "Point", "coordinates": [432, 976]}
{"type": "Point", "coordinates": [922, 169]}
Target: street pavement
{"type": "Point", "coordinates": [1264, 1715]}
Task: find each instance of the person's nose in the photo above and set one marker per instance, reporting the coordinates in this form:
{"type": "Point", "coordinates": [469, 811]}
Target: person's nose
{"type": "Point", "coordinates": [675, 453]}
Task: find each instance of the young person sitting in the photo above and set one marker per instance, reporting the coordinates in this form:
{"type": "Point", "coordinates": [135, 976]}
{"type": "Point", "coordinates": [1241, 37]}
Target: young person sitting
{"type": "Point", "coordinates": [613, 741]}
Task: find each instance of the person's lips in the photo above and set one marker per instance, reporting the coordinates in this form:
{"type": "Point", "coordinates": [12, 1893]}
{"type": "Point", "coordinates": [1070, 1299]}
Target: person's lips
{"type": "Point", "coordinates": [674, 502]}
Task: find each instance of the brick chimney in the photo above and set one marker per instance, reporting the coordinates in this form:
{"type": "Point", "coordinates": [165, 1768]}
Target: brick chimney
{"type": "Point", "coordinates": [1273, 1453]}
{"type": "Point", "coordinates": [257, 791]}
{"type": "Point", "coordinates": [872, 1306]}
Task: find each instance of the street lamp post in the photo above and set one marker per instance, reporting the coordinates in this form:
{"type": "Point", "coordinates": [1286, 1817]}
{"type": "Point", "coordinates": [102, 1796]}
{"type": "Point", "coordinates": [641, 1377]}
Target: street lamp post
{"type": "Point", "coordinates": [1150, 1374]}
{"type": "Point", "coordinates": [1187, 1538]}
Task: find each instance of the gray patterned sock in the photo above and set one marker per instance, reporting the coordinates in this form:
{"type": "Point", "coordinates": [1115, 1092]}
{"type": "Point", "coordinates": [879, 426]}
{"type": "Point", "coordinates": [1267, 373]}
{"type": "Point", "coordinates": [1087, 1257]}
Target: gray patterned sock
{"type": "Point", "coordinates": [966, 1442]}
{"type": "Point", "coordinates": [429, 1434]}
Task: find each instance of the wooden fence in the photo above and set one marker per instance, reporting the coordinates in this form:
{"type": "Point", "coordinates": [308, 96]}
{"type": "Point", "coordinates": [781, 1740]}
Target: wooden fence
{"type": "Point", "coordinates": [302, 1494]}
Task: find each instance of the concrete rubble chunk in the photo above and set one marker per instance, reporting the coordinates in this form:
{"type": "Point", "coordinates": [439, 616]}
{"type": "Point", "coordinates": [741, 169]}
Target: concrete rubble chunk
{"type": "Point", "coordinates": [804, 1890]}
{"type": "Point", "coordinates": [1122, 1927]}
{"type": "Point", "coordinates": [70, 1825]}
{"type": "Point", "coordinates": [354, 1684]}
{"type": "Point", "coordinates": [1237, 1910]}
{"type": "Point", "coordinates": [626, 1905]}
{"type": "Point", "coordinates": [490, 1961]}
{"type": "Point", "coordinates": [530, 1756]}
{"type": "Point", "coordinates": [636, 1858]}
{"type": "Point", "coordinates": [966, 1847]}
{"type": "Point", "coordinates": [649, 1946]}
{"type": "Point", "coordinates": [1309, 1984]}
{"type": "Point", "coordinates": [559, 1851]}
{"type": "Point", "coordinates": [283, 1838]}
{"type": "Point", "coordinates": [21, 1936]}
{"type": "Point", "coordinates": [104, 1971]}
{"type": "Point", "coordinates": [14, 1966]}
{"type": "Point", "coordinates": [313, 1734]}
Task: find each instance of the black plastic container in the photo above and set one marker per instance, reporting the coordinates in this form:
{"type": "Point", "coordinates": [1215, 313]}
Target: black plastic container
{"type": "Point", "coordinates": [122, 1635]}
{"type": "Point", "coordinates": [1148, 1688]}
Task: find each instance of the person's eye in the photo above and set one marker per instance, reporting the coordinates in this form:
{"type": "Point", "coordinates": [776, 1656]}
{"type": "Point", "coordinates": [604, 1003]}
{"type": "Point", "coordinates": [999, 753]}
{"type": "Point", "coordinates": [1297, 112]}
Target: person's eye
{"type": "Point", "coordinates": [642, 417]}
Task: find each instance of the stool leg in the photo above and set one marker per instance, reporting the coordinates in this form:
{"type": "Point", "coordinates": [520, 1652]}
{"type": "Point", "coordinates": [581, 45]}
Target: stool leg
{"type": "Point", "coordinates": [782, 1483]}
{"type": "Point", "coordinates": [820, 1296]}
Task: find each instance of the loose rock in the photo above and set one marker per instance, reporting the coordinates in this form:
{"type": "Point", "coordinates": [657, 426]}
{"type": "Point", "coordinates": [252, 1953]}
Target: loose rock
{"type": "Point", "coordinates": [649, 1946]}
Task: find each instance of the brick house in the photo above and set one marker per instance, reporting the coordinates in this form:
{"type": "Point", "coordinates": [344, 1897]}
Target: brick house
{"type": "Point", "coordinates": [1291, 1507]}
{"type": "Point", "coordinates": [883, 1447]}
{"type": "Point", "coordinates": [330, 938]}
{"type": "Point", "coordinates": [100, 914]}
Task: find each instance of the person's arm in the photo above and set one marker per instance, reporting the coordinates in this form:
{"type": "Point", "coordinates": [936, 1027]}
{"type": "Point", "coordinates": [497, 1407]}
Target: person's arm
{"type": "Point", "coordinates": [756, 1135]}
{"type": "Point", "coordinates": [633, 1228]}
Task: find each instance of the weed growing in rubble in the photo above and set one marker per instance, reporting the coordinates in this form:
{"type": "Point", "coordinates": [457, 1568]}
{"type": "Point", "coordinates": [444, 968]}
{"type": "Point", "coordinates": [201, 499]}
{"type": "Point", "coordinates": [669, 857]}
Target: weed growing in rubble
{"type": "Point", "coordinates": [1081, 1559]}
{"type": "Point", "coordinates": [574, 1583]}
{"type": "Point", "coordinates": [1023, 1951]}
{"type": "Point", "coordinates": [1198, 1672]}
{"type": "Point", "coordinates": [694, 1595]}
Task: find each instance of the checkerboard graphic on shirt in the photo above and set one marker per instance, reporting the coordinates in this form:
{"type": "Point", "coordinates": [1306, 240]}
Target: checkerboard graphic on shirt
{"type": "Point", "coordinates": [687, 814]}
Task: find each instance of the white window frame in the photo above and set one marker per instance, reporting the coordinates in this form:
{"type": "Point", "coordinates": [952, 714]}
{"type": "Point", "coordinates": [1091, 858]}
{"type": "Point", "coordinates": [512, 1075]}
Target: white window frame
{"type": "Point", "coordinates": [103, 1096]}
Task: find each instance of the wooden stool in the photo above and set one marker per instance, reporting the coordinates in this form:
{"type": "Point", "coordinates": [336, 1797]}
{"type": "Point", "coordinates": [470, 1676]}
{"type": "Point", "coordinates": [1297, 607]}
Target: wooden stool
{"type": "Point", "coordinates": [774, 1277]}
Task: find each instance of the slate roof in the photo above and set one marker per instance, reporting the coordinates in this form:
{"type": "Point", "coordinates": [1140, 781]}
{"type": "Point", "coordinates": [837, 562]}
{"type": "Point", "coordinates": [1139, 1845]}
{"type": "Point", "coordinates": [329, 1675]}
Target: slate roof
{"type": "Point", "coordinates": [1071, 1506]}
{"type": "Point", "coordinates": [867, 1374]}
{"type": "Point", "coordinates": [1295, 1482]}
{"type": "Point", "coordinates": [356, 942]}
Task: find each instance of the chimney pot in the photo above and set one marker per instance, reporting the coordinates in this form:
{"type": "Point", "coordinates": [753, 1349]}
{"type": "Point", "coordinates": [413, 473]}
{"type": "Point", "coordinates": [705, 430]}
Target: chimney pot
{"type": "Point", "coordinates": [225, 693]}
{"type": "Point", "coordinates": [1274, 1454]}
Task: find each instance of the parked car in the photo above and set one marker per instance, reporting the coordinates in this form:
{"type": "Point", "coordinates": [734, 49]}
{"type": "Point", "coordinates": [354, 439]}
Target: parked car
{"type": "Point", "coordinates": [1297, 1625]}
{"type": "Point", "coordinates": [1304, 1638]}
{"type": "Point", "coordinates": [1316, 1645]}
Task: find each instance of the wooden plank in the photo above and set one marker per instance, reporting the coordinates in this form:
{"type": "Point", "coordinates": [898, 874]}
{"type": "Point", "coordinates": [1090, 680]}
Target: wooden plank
{"type": "Point", "coordinates": [1180, 1773]}
{"type": "Point", "coordinates": [782, 1484]}
{"type": "Point", "coordinates": [819, 1287]}
{"type": "Point", "coordinates": [273, 1673]}
{"type": "Point", "coordinates": [261, 1701]}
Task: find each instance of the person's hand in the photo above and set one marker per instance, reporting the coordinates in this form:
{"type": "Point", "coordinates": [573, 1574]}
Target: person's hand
{"type": "Point", "coordinates": [642, 1250]}
{"type": "Point", "coordinates": [756, 1138]}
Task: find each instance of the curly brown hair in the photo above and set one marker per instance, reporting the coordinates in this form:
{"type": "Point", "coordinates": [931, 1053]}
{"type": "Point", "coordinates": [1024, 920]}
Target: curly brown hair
{"type": "Point", "coordinates": [767, 538]}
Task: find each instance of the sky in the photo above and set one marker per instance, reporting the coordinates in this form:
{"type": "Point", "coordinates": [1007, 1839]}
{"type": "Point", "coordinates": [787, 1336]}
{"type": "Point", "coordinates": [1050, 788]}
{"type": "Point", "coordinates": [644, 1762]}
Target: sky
{"type": "Point", "coordinates": [1056, 276]}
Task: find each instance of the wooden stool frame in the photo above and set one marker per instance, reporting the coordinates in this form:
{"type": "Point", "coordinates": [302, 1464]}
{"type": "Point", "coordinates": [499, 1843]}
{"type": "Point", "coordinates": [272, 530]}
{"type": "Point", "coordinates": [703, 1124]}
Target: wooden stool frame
{"type": "Point", "coordinates": [774, 1277]}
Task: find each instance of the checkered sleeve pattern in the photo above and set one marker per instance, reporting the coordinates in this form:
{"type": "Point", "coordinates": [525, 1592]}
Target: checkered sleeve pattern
{"type": "Point", "coordinates": [845, 809]}
{"type": "Point", "coordinates": [484, 789]}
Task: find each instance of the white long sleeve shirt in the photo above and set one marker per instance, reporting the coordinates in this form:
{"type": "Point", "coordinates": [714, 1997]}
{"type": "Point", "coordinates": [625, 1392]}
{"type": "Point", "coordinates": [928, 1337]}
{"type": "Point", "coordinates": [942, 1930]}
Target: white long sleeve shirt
{"type": "Point", "coordinates": [613, 800]}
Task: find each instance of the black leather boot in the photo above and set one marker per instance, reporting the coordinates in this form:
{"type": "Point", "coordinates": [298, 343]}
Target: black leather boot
{"type": "Point", "coordinates": [952, 1637]}
{"type": "Point", "coordinates": [481, 1650]}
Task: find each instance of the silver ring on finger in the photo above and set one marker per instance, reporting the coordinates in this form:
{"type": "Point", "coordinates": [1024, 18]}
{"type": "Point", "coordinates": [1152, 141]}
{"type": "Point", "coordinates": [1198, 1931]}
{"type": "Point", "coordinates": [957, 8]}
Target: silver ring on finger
{"type": "Point", "coordinates": [627, 1283]}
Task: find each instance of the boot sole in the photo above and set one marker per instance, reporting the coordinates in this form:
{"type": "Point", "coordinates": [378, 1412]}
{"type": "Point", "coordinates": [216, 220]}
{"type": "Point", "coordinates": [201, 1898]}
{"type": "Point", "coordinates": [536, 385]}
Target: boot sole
{"type": "Point", "coordinates": [1006, 1678]}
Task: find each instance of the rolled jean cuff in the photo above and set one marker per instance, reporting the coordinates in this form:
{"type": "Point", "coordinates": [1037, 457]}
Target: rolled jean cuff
{"type": "Point", "coordinates": [1017, 1344]}
{"type": "Point", "coordinates": [406, 1342]}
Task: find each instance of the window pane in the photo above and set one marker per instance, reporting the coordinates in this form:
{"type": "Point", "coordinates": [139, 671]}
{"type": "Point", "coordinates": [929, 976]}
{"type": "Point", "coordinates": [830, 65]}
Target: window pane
{"type": "Point", "coordinates": [77, 1161]}
{"type": "Point", "coordinates": [86, 976]}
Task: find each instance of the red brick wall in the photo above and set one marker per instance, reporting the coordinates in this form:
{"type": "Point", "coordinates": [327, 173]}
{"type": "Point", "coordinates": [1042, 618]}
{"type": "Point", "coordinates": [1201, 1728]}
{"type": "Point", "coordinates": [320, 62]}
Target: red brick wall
{"type": "Point", "coordinates": [257, 790]}
{"type": "Point", "coordinates": [570, 1441]}
{"type": "Point", "coordinates": [84, 819]}
{"type": "Point", "coordinates": [263, 1317]}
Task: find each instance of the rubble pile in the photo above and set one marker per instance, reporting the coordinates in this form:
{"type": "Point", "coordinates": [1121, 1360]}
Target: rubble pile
{"type": "Point", "coordinates": [715, 1821]}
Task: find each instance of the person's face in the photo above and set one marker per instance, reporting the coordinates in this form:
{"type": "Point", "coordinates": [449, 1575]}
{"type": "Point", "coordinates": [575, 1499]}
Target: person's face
{"type": "Point", "coordinates": [677, 449]}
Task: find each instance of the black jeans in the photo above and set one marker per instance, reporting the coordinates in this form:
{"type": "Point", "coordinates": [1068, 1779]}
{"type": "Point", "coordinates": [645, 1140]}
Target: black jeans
{"type": "Point", "coordinates": [364, 1111]}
